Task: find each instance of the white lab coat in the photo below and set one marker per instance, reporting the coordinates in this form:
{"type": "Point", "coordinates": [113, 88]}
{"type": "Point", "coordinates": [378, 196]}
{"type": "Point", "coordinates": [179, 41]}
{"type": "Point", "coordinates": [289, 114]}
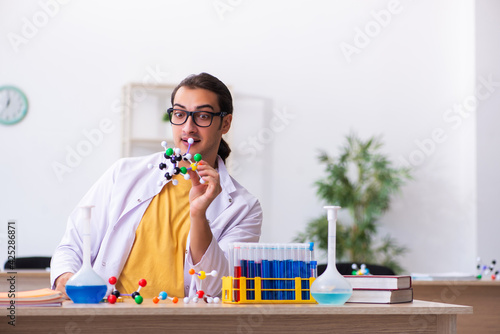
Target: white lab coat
{"type": "Point", "coordinates": [121, 197]}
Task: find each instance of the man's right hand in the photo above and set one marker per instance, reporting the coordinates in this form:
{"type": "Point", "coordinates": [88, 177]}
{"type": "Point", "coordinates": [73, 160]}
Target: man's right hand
{"type": "Point", "coordinates": [61, 283]}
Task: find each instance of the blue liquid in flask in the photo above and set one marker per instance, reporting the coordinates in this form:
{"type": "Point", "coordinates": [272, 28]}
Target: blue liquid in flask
{"type": "Point", "coordinates": [331, 298]}
{"type": "Point", "coordinates": [331, 288]}
{"type": "Point", "coordinates": [86, 286]}
{"type": "Point", "coordinates": [86, 294]}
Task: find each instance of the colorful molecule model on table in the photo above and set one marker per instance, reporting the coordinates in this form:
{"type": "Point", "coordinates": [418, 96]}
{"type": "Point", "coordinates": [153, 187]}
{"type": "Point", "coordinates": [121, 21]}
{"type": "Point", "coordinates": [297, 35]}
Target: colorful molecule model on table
{"type": "Point", "coordinates": [172, 157]}
{"type": "Point", "coordinates": [115, 294]}
{"type": "Point", "coordinates": [361, 271]}
{"type": "Point", "coordinates": [163, 296]}
{"type": "Point", "coordinates": [200, 294]}
{"type": "Point", "coordinates": [485, 272]}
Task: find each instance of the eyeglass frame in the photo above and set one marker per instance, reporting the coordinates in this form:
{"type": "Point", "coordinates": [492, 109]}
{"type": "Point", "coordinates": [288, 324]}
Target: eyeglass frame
{"type": "Point", "coordinates": [191, 113]}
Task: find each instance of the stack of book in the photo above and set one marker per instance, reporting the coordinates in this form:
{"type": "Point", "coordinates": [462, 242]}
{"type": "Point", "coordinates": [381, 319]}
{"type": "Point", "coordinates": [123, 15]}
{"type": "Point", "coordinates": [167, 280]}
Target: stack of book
{"type": "Point", "coordinates": [380, 289]}
{"type": "Point", "coordinates": [41, 297]}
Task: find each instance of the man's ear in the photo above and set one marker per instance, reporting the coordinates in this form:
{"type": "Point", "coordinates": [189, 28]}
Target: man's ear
{"type": "Point", "coordinates": [226, 123]}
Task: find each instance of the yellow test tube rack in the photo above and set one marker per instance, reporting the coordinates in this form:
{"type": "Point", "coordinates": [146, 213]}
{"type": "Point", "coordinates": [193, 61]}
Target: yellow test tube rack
{"type": "Point", "coordinates": [235, 290]}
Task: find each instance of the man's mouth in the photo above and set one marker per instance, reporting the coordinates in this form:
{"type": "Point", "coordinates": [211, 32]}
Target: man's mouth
{"type": "Point", "coordinates": [185, 141]}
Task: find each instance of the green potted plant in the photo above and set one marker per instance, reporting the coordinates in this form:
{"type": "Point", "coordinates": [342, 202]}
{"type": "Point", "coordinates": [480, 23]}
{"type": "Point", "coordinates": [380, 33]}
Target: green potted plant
{"type": "Point", "coordinates": [362, 181]}
{"type": "Point", "coordinates": [166, 117]}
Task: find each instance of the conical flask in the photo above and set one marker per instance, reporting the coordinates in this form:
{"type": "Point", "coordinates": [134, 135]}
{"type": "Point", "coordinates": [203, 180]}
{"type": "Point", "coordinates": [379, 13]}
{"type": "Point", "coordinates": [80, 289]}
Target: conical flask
{"type": "Point", "coordinates": [331, 287]}
{"type": "Point", "coordinates": [86, 286]}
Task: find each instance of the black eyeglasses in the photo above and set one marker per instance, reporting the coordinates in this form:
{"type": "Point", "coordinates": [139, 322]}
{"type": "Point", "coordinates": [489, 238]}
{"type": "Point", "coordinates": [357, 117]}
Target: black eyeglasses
{"type": "Point", "coordinates": [201, 118]}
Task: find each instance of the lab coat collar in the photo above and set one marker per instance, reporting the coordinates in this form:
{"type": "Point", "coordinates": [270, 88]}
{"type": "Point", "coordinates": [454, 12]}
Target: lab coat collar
{"type": "Point", "coordinates": [224, 199]}
{"type": "Point", "coordinates": [226, 181]}
{"type": "Point", "coordinates": [149, 188]}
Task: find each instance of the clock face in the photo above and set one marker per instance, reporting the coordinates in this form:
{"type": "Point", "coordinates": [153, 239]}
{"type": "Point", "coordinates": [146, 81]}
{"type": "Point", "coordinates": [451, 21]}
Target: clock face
{"type": "Point", "coordinates": [13, 105]}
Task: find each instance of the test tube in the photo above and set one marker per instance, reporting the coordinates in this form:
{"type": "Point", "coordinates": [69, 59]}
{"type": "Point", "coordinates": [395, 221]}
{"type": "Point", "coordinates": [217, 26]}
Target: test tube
{"type": "Point", "coordinates": [275, 272]}
{"type": "Point", "coordinates": [237, 270]}
{"type": "Point", "coordinates": [266, 272]}
{"type": "Point", "coordinates": [244, 263]}
{"type": "Point", "coordinates": [305, 271]}
{"type": "Point", "coordinates": [288, 259]}
{"type": "Point", "coordinates": [282, 271]}
{"type": "Point", "coordinates": [244, 259]}
{"type": "Point", "coordinates": [258, 263]}
{"type": "Point", "coordinates": [312, 261]}
{"type": "Point", "coordinates": [258, 260]}
{"type": "Point", "coordinates": [251, 271]}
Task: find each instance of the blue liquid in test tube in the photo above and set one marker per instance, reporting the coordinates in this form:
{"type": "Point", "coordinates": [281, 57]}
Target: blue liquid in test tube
{"type": "Point", "coordinates": [244, 262]}
{"type": "Point", "coordinates": [313, 263]}
{"type": "Point", "coordinates": [282, 271]}
{"type": "Point", "coordinates": [258, 260]}
{"type": "Point", "coordinates": [276, 267]}
{"type": "Point", "coordinates": [305, 269]}
{"type": "Point", "coordinates": [297, 262]}
{"type": "Point", "coordinates": [288, 259]}
{"type": "Point", "coordinates": [266, 273]}
{"type": "Point", "coordinates": [251, 271]}
{"type": "Point", "coordinates": [258, 264]}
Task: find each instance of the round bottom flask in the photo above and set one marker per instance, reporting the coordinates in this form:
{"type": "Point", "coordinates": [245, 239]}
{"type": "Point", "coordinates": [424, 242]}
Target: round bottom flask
{"type": "Point", "coordinates": [331, 287]}
{"type": "Point", "coordinates": [83, 288]}
{"type": "Point", "coordinates": [86, 286]}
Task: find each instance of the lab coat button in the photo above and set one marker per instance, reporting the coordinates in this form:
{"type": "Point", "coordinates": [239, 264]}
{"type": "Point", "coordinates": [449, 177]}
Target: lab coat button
{"type": "Point", "coordinates": [103, 264]}
{"type": "Point", "coordinates": [230, 200]}
{"type": "Point", "coordinates": [139, 200]}
{"type": "Point", "coordinates": [186, 251]}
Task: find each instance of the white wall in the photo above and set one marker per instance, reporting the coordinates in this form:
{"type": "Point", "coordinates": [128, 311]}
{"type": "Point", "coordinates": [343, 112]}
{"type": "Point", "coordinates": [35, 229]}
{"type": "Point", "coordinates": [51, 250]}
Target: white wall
{"type": "Point", "coordinates": [488, 136]}
{"type": "Point", "coordinates": [280, 58]}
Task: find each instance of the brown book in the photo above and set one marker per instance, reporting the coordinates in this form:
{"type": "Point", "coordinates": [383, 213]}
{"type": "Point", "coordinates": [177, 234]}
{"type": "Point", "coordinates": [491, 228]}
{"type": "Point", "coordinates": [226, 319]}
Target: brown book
{"type": "Point", "coordinates": [381, 296]}
{"type": "Point", "coordinates": [379, 281]}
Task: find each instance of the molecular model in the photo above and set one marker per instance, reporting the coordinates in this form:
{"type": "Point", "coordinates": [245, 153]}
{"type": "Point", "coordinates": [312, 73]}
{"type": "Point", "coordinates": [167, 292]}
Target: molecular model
{"type": "Point", "coordinates": [162, 296]}
{"type": "Point", "coordinates": [199, 292]}
{"type": "Point", "coordinates": [361, 271]}
{"type": "Point", "coordinates": [485, 272]}
{"type": "Point", "coordinates": [172, 158]}
{"type": "Point", "coordinates": [136, 296]}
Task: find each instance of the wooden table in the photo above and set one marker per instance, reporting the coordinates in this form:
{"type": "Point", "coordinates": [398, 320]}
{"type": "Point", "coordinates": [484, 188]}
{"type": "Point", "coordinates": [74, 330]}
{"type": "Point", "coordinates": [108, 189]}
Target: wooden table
{"type": "Point", "coordinates": [484, 296]}
{"type": "Point", "coordinates": [166, 317]}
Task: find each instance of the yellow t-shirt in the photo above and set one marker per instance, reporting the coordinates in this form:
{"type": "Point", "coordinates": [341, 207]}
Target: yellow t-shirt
{"type": "Point", "coordinates": [159, 247]}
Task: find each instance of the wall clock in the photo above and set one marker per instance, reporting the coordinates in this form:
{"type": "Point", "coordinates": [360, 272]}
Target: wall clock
{"type": "Point", "coordinates": [13, 105]}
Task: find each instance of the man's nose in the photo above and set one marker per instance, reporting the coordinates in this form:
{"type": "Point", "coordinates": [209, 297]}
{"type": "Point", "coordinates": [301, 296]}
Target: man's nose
{"type": "Point", "coordinates": [189, 126]}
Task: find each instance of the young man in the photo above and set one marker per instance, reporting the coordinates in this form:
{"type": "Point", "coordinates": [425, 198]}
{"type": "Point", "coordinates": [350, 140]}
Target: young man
{"type": "Point", "coordinates": [142, 230]}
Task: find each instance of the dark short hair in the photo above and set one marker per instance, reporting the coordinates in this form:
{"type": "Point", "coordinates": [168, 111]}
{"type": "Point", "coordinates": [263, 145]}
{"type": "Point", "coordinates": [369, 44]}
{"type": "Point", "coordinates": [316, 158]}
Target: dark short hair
{"type": "Point", "coordinates": [224, 98]}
